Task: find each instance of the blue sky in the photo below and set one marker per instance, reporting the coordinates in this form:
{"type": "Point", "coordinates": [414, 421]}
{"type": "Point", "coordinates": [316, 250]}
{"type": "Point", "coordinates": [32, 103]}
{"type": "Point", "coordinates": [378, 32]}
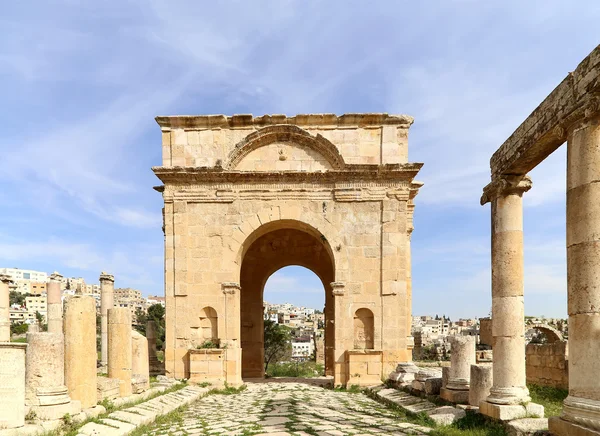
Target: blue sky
{"type": "Point", "coordinates": [82, 81]}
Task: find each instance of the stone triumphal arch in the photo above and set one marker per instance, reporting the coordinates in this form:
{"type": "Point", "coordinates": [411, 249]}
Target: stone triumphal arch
{"type": "Point", "coordinates": [246, 196]}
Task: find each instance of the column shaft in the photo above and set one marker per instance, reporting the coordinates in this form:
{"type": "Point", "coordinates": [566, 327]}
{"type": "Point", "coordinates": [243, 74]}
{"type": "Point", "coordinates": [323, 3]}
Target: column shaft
{"type": "Point", "coordinates": [120, 348]}
{"type": "Point", "coordinates": [4, 308]}
{"type": "Point", "coordinates": [107, 284]}
{"type": "Point", "coordinates": [55, 313]}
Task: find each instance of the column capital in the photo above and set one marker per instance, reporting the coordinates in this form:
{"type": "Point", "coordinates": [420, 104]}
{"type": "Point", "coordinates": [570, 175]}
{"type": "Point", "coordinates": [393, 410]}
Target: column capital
{"type": "Point", "coordinates": [338, 289]}
{"type": "Point", "coordinates": [56, 276]}
{"type": "Point", "coordinates": [106, 277]}
{"type": "Point", "coordinates": [505, 185]}
{"type": "Point", "coordinates": [5, 278]}
{"type": "Point", "coordinates": [230, 287]}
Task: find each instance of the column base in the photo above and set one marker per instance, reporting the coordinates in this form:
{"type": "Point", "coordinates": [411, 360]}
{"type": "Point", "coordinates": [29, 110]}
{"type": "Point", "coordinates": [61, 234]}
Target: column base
{"type": "Point", "coordinates": [455, 396]}
{"type": "Point", "coordinates": [559, 427]}
{"type": "Point", "coordinates": [508, 412]}
{"type": "Point", "coordinates": [581, 412]}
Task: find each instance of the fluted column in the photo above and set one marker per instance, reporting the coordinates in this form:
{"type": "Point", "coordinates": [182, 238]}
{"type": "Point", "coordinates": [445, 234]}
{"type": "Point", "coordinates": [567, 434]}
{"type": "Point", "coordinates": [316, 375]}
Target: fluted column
{"type": "Point", "coordinates": [4, 308]}
{"type": "Point", "coordinates": [107, 286]}
{"type": "Point", "coordinates": [582, 407]}
{"type": "Point", "coordinates": [508, 311]}
{"type": "Point", "coordinates": [55, 312]}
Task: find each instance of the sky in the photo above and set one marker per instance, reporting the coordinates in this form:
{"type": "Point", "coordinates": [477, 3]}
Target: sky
{"type": "Point", "coordinates": [81, 83]}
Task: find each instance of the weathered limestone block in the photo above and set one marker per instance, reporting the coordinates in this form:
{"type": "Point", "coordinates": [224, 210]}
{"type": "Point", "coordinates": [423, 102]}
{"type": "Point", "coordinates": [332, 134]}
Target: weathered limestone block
{"type": "Point", "coordinates": [108, 388]}
{"type": "Point", "coordinates": [12, 385]}
{"type": "Point", "coordinates": [45, 392]}
{"type": "Point", "coordinates": [119, 348]}
{"type": "Point", "coordinates": [406, 372]}
{"type": "Point", "coordinates": [80, 349]}
{"type": "Point", "coordinates": [480, 384]}
{"type": "Point", "coordinates": [54, 304]}
{"type": "Point", "coordinates": [445, 376]}
{"type": "Point", "coordinates": [140, 364]}
{"type": "Point", "coordinates": [463, 356]}
{"type": "Point", "coordinates": [107, 287]}
{"type": "Point", "coordinates": [432, 386]}
{"type": "Point", "coordinates": [5, 280]}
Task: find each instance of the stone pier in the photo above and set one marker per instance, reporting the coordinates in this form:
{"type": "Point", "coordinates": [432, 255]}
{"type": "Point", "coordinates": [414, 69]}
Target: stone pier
{"type": "Point", "coordinates": [119, 348]}
{"type": "Point", "coordinates": [54, 304]}
{"type": "Point", "coordinates": [45, 390]}
{"type": "Point", "coordinates": [480, 383]}
{"type": "Point", "coordinates": [463, 356]}
{"type": "Point", "coordinates": [581, 410]}
{"type": "Point", "coordinates": [107, 289]}
{"type": "Point", "coordinates": [140, 367]}
{"type": "Point", "coordinates": [80, 350]}
{"type": "Point", "coordinates": [156, 366]}
{"type": "Point", "coordinates": [5, 281]}
{"type": "Point", "coordinates": [12, 385]}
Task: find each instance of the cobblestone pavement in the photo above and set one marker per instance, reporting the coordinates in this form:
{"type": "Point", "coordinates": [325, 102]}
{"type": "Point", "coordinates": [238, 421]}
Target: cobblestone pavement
{"type": "Point", "coordinates": [279, 409]}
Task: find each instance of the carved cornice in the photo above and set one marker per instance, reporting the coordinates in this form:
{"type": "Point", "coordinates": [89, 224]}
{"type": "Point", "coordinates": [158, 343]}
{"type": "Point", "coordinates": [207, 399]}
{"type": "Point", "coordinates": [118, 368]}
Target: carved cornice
{"type": "Point", "coordinates": [505, 185]}
{"type": "Point", "coordinates": [285, 134]}
{"type": "Point", "coordinates": [338, 289]}
{"type": "Point", "coordinates": [5, 278]}
{"type": "Point", "coordinates": [105, 277]}
{"type": "Point", "coordinates": [230, 287]}
{"type": "Point", "coordinates": [351, 173]}
{"type": "Point", "coordinates": [56, 276]}
{"type": "Point", "coordinates": [249, 121]}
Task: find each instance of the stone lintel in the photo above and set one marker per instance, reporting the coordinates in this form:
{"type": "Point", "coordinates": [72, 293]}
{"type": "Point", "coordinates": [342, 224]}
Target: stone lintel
{"type": "Point", "coordinates": [249, 121]}
{"type": "Point", "coordinates": [546, 128]}
{"type": "Point", "coordinates": [505, 185]}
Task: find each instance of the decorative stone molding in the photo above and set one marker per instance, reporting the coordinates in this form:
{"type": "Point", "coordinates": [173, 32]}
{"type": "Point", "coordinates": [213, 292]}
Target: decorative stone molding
{"type": "Point", "coordinates": [106, 277]}
{"type": "Point", "coordinates": [338, 289]}
{"type": "Point", "coordinates": [249, 121]}
{"type": "Point", "coordinates": [5, 278]}
{"type": "Point", "coordinates": [285, 134]}
{"type": "Point", "coordinates": [582, 411]}
{"type": "Point", "coordinates": [230, 287]}
{"type": "Point", "coordinates": [504, 186]}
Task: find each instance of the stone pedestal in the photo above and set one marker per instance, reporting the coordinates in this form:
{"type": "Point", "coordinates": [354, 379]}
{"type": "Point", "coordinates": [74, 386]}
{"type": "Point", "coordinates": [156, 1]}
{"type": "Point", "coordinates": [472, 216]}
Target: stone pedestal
{"type": "Point", "coordinates": [80, 349]}
{"type": "Point", "coordinates": [139, 361]}
{"type": "Point", "coordinates": [581, 410]}
{"type": "Point", "coordinates": [45, 390]}
{"type": "Point", "coordinates": [107, 289]}
{"type": "Point", "coordinates": [5, 280]}
{"type": "Point", "coordinates": [463, 356]}
{"type": "Point", "coordinates": [156, 366]}
{"type": "Point", "coordinates": [54, 305]}
{"type": "Point", "coordinates": [480, 383]}
{"type": "Point", "coordinates": [12, 385]}
{"type": "Point", "coordinates": [119, 348]}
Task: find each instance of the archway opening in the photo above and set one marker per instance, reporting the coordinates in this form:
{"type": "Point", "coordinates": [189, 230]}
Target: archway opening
{"type": "Point", "coordinates": [270, 252]}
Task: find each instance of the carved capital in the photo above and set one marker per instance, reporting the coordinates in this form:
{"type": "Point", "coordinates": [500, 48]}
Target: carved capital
{"type": "Point", "coordinates": [230, 287]}
{"type": "Point", "coordinates": [105, 277]}
{"type": "Point", "coordinates": [338, 289]}
{"type": "Point", "coordinates": [5, 278]}
{"type": "Point", "coordinates": [505, 185]}
{"type": "Point", "coordinates": [592, 108]}
{"type": "Point", "coordinates": [56, 276]}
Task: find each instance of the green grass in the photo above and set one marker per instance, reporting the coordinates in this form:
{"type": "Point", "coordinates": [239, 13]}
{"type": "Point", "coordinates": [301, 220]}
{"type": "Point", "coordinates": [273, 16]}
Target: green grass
{"type": "Point", "coordinates": [292, 369]}
{"type": "Point", "coordinates": [19, 340]}
{"type": "Point", "coordinates": [474, 424]}
{"type": "Point", "coordinates": [227, 390]}
{"type": "Point", "coordinates": [549, 397]}
{"type": "Point", "coordinates": [173, 418]}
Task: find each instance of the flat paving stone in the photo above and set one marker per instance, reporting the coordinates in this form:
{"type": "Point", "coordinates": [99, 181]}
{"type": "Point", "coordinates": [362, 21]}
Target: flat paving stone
{"type": "Point", "coordinates": [288, 408]}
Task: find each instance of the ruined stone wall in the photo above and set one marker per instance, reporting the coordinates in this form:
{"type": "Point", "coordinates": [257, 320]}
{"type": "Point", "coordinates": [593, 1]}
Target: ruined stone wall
{"type": "Point", "coordinates": [547, 364]}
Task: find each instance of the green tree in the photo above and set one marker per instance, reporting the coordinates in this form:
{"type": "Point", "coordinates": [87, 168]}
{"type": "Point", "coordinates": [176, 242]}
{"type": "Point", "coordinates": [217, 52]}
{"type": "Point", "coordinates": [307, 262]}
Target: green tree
{"type": "Point", "coordinates": [156, 313]}
{"type": "Point", "coordinates": [15, 297]}
{"type": "Point", "coordinates": [278, 344]}
{"type": "Point", "coordinates": [141, 318]}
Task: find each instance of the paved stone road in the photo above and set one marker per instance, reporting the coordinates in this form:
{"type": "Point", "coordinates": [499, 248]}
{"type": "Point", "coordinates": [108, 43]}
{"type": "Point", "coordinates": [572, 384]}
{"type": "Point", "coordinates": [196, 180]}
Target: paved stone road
{"type": "Point", "coordinates": [279, 409]}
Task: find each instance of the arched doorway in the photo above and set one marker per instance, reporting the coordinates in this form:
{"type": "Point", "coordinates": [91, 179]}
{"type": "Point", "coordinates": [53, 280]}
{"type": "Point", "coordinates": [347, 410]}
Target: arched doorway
{"type": "Point", "coordinates": [289, 243]}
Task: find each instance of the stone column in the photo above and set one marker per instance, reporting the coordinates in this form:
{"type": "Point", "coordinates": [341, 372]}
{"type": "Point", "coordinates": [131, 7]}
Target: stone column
{"type": "Point", "coordinates": [55, 312]}
{"type": "Point", "coordinates": [140, 368]}
{"type": "Point", "coordinates": [233, 331]}
{"type": "Point", "coordinates": [480, 383]}
{"type": "Point", "coordinates": [508, 312]}
{"type": "Point", "coordinates": [581, 409]}
{"type": "Point", "coordinates": [462, 357]}
{"type": "Point", "coordinates": [45, 390]}
{"type": "Point", "coordinates": [5, 281]}
{"type": "Point", "coordinates": [12, 384]}
{"type": "Point", "coordinates": [80, 349]}
{"type": "Point", "coordinates": [119, 348]}
{"type": "Point", "coordinates": [107, 287]}
{"type": "Point", "coordinates": [340, 335]}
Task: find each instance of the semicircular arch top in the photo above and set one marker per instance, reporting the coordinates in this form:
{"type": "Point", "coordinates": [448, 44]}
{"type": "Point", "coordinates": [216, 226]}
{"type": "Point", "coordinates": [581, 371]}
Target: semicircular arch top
{"type": "Point", "coordinates": [552, 335]}
{"type": "Point", "coordinates": [317, 146]}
